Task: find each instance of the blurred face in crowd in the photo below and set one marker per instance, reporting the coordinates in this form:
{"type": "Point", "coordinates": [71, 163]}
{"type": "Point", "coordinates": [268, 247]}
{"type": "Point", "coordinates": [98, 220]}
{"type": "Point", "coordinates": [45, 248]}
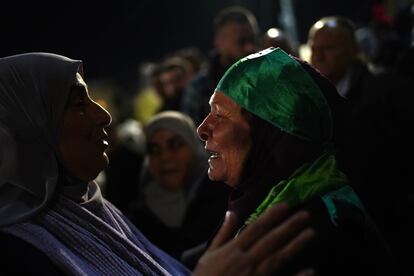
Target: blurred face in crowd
{"type": "Point", "coordinates": [234, 41]}
{"type": "Point", "coordinates": [157, 84]}
{"type": "Point", "coordinates": [227, 138]}
{"type": "Point", "coordinates": [333, 50]}
{"type": "Point", "coordinates": [83, 139]}
{"type": "Point", "coordinates": [170, 159]}
{"type": "Point", "coordinates": [173, 81]}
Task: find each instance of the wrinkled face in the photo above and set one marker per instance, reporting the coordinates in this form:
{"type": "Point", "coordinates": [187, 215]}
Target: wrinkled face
{"type": "Point", "coordinates": [332, 51]}
{"type": "Point", "coordinates": [227, 138]}
{"type": "Point", "coordinates": [234, 41]}
{"type": "Point", "coordinates": [170, 159]}
{"type": "Point", "coordinates": [83, 139]}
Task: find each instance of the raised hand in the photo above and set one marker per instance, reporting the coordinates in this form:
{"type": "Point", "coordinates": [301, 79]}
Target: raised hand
{"type": "Point", "coordinates": [263, 248]}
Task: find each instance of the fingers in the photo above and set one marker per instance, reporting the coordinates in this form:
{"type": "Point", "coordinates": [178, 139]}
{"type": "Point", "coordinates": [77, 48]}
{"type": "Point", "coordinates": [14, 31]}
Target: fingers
{"type": "Point", "coordinates": [281, 257]}
{"type": "Point", "coordinates": [257, 229]}
{"type": "Point", "coordinates": [263, 248]}
{"type": "Point", "coordinates": [226, 231]}
{"type": "Point", "coordinates": [298, 244]}
{"type": "Point", "coordinates": [280, 236]}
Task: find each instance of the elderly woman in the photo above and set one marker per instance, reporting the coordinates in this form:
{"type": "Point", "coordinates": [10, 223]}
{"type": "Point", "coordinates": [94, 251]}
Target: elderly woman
{"type": "Point", "coordinates": [178, 207]}
{"type": "Point", "coordinates": [53, 219]}
{"type": "Point", "coordinates": [271, 134]}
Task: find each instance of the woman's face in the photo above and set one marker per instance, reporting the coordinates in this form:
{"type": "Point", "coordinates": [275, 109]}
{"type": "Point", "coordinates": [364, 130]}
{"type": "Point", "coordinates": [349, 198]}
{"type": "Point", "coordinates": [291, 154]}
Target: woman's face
{"type": "Point", "coordinates": [83, 139]}
{"type": "Point", "coordinates": [170, 159]}
{"type": "Point", "coordinates": [227, 136]}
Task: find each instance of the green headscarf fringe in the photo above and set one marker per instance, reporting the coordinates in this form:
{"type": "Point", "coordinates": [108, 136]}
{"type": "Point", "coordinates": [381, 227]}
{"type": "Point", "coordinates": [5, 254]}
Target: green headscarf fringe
{"type": "Point", "coordinates": [310, 180]}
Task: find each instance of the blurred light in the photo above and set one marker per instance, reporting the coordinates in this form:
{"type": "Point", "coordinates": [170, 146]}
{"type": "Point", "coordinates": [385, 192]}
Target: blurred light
{"type": "Point", "coordinates": [319, 24]}
{"type": "Point", "coordinates": [331, 23]}
{"type": "Point", "coordinates": [273, 33]}
{"type": "Point", "coordinates": [305, 52]}
{"type": "Point", "coordinates": [103, 103]}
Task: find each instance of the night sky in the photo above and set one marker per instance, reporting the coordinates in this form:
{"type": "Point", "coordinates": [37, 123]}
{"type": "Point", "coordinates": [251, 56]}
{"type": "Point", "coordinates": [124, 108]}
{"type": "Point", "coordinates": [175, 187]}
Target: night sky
{"type": "Point", "coordinates": [112, 37]}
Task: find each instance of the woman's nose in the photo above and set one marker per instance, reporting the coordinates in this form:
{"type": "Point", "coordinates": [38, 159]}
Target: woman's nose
{"type": "Point", "coordinates": [202, 130]}
{"type": "Point", "coordinates": [104, 118]}
{"type": "Point", "coordinates": [166, 155]}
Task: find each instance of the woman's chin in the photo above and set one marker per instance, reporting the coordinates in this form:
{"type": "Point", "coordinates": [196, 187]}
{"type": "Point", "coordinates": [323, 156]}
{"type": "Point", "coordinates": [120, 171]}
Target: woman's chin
{"type": "Point", "coordinates": [106, 160]}
{"type": "Point", "coordinates": [171, 185]}
{"type": "Point", "coordinates": [213, 175]}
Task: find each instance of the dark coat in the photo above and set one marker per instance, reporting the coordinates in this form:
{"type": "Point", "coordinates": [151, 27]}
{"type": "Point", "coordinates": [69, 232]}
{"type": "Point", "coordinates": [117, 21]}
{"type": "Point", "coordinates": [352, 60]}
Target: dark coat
{"type": "Point", "coordinates": [349, 245]}
{"type": "Point", "coordinates": [204, 214]}
{"type": "Point", "coordinates": [22, 258]}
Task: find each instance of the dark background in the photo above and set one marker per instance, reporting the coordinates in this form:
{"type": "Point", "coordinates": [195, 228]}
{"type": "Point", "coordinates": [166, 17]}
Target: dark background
{"type": "Point", "coordinates": [113, 37]}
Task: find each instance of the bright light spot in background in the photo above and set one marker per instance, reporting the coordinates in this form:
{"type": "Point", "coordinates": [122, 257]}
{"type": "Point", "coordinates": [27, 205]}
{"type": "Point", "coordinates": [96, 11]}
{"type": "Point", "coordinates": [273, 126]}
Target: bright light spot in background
{"type": "Point", "coordinates": [103, 103]}
{"type": "Point", "coordinates": [330, 23]}
{"type": "Point", "coordinates": [273, 33]}
{"type": "Point", "coordinates": [305, 52]}
{"type": "Point", "coordinates": [319, 25]}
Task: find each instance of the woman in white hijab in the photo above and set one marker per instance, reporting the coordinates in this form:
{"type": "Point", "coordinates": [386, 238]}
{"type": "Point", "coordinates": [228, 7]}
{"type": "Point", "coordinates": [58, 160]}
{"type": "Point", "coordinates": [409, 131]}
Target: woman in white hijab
{"type": "Point", "coordinates": [53, 218]}
{"type": "Point", "coordinates": [178, 207]}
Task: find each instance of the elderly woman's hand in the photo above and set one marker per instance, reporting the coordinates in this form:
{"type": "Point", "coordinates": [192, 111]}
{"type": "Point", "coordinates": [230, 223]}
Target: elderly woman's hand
{"type": "Point", "coordinates": [263, 248]}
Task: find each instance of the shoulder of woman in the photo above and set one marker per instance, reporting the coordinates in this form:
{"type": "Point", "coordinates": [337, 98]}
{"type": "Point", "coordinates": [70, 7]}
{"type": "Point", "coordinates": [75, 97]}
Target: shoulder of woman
{"type": "Point", "coordinates": [344, 240]}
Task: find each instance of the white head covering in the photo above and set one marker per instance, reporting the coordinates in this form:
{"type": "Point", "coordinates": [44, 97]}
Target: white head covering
{"type": "Point", "coordinates": [34, 88]}
{"type": "Point", "coordinates": [170, 207]}
{"type": "Point", "coordinates": [178, 123]}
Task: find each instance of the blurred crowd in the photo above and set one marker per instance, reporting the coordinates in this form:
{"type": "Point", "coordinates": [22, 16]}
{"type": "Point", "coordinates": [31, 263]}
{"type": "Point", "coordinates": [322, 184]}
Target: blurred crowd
{"type": "Point", "coordinates": [157, 169]}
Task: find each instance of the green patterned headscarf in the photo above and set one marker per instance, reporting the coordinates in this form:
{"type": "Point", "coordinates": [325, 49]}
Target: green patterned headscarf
{"type": "Point", "coordinates": [274, 86]}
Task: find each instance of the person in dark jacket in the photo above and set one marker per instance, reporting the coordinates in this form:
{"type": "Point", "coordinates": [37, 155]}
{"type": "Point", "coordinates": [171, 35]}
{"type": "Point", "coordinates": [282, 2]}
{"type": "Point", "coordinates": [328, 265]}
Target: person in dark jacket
{"type": "Point", "coordinates": [380, 108]}
{"type": "Point", "coordinates": [235, 35]}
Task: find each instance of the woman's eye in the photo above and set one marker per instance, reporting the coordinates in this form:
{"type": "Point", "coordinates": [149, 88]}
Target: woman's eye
{"type": "Point", "coordinates": [218, 116]}
{"type": "Point", "coordinates": [78, 96]}
{"type": "Point", "coordinates": [153, 149]}
{"type": "Point", "coordinates": [80, 102]}
{"type": "Point", "coordinates": [175, 144]}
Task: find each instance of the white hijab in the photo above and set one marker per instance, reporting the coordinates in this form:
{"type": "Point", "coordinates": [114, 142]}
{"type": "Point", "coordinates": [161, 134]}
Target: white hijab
{"type": "Point", "coordinates": [171, 207]}
{"type": "Point", "coordinates": [34, 88]}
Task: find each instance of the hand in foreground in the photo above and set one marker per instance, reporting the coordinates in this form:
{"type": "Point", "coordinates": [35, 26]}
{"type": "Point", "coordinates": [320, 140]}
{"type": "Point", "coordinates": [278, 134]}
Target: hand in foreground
{"type": "Point", "coordinates": [263, 248]}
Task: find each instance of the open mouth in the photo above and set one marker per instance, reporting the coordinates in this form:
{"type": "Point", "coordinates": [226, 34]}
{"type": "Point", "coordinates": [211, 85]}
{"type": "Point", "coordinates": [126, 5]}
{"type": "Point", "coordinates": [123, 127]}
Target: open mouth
{"type": "Point", "coordinates": [213, 155]}
{"type": "Point", "coordinates": [103, 143]}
